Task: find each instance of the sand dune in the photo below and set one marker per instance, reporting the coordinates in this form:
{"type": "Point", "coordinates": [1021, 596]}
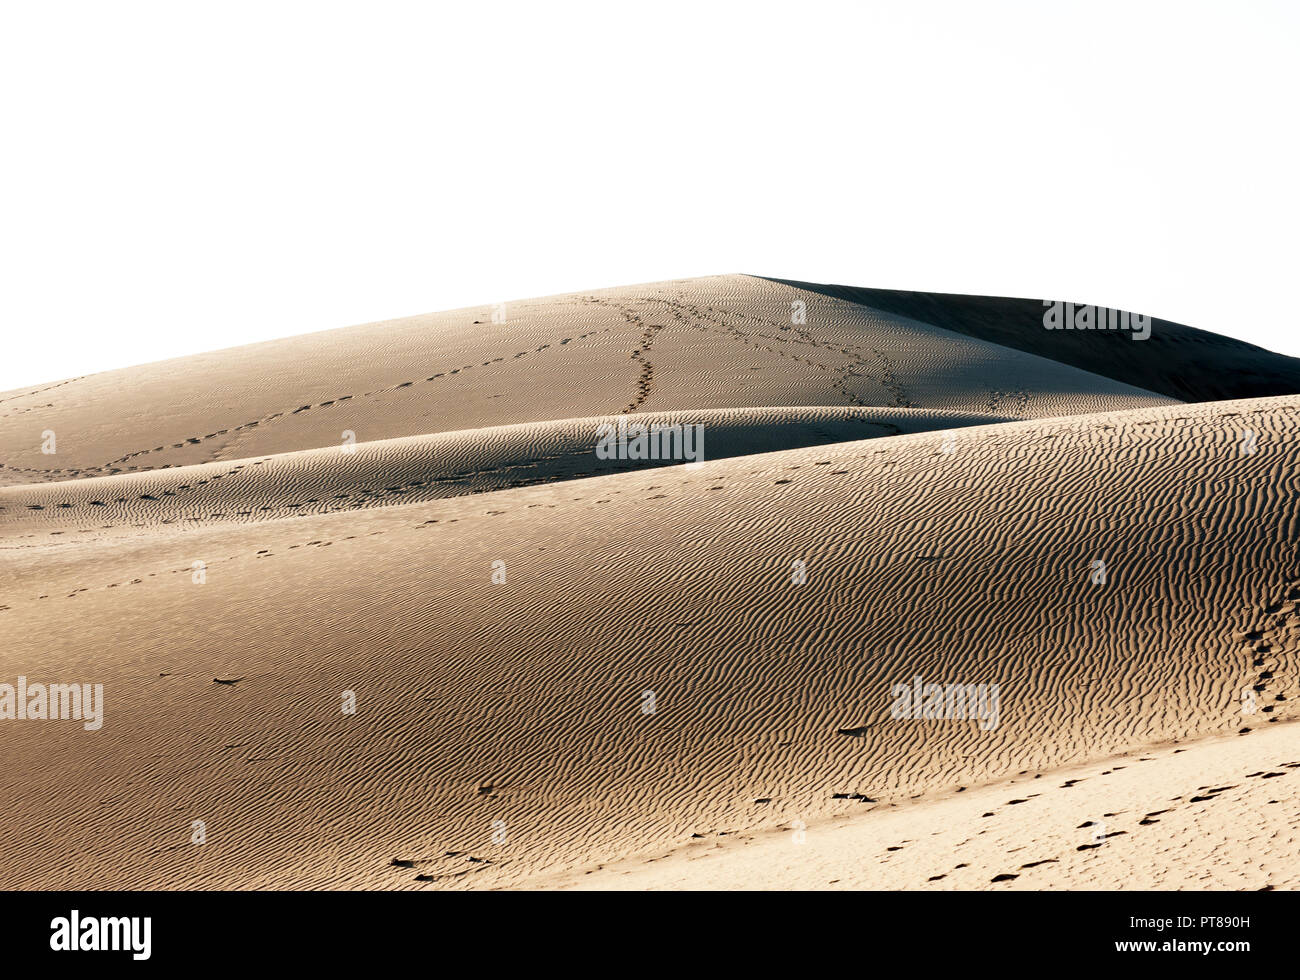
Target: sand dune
{"type": "Point", "coordinates": [1201, 817]}
{"type": "Point", "coordinates": [722, 342]}
{"type": "Point", "coordinates": [571, 671]}
{"type": "Point", "coordinates": [521, 702]}
{"type": "Point", "coordinates": [1175, 360]}
{"type": "Point", "coordinates": [416, 468]}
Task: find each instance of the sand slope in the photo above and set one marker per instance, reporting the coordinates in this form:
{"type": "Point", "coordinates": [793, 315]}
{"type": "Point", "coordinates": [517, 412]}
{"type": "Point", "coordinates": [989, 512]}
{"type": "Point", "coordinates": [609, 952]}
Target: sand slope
{"type": "Point", "coordinates": [500, 735]}
{"type": "Point", "coordinates": [1218, 814]}
{"type": "Point", "coordinates": [415, 468]}
{"type": "Point", "coordinates": [1175, 360]}
{"type": "Point", "coordinates": [713, 343]}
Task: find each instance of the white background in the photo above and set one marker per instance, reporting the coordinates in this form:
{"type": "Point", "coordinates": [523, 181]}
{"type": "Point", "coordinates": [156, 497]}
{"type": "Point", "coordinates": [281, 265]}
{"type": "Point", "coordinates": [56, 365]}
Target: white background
{"type": "Point", "coordinates": [183, 177]}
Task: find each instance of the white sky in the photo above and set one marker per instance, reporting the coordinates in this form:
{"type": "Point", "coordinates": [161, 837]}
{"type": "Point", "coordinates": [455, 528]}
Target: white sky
{"type": "Point", "coordinates": [182, 177]}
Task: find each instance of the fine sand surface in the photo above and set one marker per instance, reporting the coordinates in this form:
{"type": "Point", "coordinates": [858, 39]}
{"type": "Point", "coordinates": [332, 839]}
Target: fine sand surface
{"type": "Point", "coordinates": [721, 342]}
{"type": "Point", "coordinates": [406, 470]}
{"type": "Point", "coordinates": [1218, 814]}
{"type": "Point", "coordinates": [580, 672]}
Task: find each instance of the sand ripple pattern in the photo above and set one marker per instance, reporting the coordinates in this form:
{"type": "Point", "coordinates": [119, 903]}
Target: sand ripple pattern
{"type": "Point", "coordinates": [409, 470]}
{"type": "Point", "coordinates": [500, 731]}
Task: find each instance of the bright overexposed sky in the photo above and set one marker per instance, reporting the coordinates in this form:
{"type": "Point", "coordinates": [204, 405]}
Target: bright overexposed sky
{"type": "Point", "coordinates": [179, 177]}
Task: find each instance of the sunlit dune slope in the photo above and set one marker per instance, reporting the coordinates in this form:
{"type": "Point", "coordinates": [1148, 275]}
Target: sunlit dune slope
{"type": "Point", "coordinates": [689, 345]}
{"type": "Point", "coordinates": [402, 471]}
{"type": "Point", "coordinates": [502, 728]}
{"type": "Point", "coordinates": [1220, 813]}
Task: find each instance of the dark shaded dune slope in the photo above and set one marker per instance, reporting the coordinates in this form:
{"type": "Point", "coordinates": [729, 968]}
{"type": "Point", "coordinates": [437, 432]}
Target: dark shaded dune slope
{"type": "Point", "coordinates": [1176, 360]}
